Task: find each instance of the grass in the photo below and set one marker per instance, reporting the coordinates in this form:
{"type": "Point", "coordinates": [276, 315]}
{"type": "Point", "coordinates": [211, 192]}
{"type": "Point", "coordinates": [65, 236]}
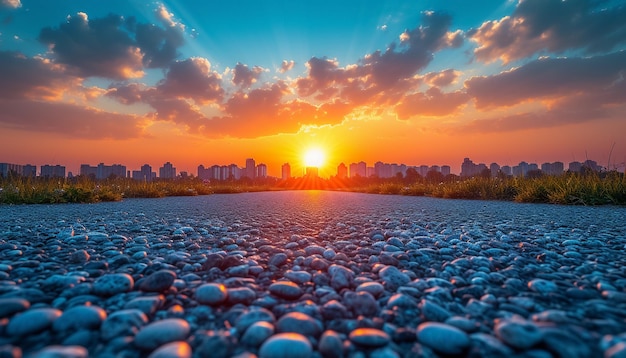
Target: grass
{"type": "Point", "coordinates": [567, 189]}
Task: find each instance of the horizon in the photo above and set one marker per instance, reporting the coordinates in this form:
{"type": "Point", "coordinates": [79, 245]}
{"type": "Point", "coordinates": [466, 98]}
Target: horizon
{"type": "Point", "coordinates": [419, 83]}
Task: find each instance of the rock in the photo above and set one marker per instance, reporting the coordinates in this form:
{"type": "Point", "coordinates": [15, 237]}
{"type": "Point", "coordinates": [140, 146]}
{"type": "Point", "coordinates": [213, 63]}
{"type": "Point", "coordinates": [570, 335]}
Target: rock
{"type": "Point", "coordinates": [373, 288]}
{"type": "Point", "coordinates": [32, 321]}
{"type": "Point", "coordinates": [369, 337]}
{"type": "Point", "coordinates": [361, 303]}
{"type": "Point", "coordinates": [518, 333]}
{"type": "Point", "coordinates": [299, 323]}
{"type": "Point", "coordinates": [340, 277]}
{"type": "Point", "coordinates": [63, 351]}
{"type": "Point", "coordinates": [159, 281]}
{"type": "Point", "coordinates": [172, 350]}
{"type": "Point", "coordinates": [148, 305]}
{"type": "Point", "coordinates": [331, 345]}
{"type": "Point", "coordinates": [542, 286]}
{"type": "Point", "coordinates": [433, 312]}
{"type": "Point", "coordinates": [278, 259]}
{"type": "Point", "coordinates": [286, 345]}
{"type": "Point", "coordinates": [158, 333]}
{"type": "Point", "coordinates": [80, 317]}
{"type": "Point", "coordinates": [122, 323]}
{"type": "Point", "coordinates": [257, 333]}
{"type": "Point", "coordinates": [243, 295]}
{"type": "Point", "coordinates": [211, 294]}
{"type": "Point", "coordinates": [112, 284]}
{"type": "Point", "coordinates": [11, 306]}
{"type": "Point", "coordinates": [393, 278]}
{"type": "Point", "coordinates": [442, 338]}
{"type": "Point", "coordinates": [285, 289]}
{"type": "Point", "coordinates": [255, 314]}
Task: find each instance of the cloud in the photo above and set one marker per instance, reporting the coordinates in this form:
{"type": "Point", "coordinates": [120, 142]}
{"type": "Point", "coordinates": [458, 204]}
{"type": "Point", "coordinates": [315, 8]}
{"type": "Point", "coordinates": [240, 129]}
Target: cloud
{"type": "Point", "coordinates": [441, 79]}
{"type": "Point", "coordinates": [551, 25]}
{"type": "Point", "coordinates": [551, 79]}
{"type": "Point", "coordinates": [415, 51]}
{"type": "Point", "coordinates": [68, 120]}
{"type": "Point", "coordinates": [14, 4]}
{"type": "Point", "coordinates": [159, 45]}
{"type": "Point", "coordinates": [32, 78]}
{"type": "Point", "coordinates": [431, 103]}
{"type": "Point", "coordinates": [97, 47]}
{"type": "Point", "coordinates": [286, 66]}
{"type": "Point", "coordinates": [192, 78]}
{"type": "Point", "coordinates": [244, 76]}
{"type": "Point", "coordinates": [112, 46]}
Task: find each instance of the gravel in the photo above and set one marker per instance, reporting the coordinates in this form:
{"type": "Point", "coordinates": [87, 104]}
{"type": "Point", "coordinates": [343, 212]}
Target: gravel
{"type": "Point", "coordinates": [312, 274]}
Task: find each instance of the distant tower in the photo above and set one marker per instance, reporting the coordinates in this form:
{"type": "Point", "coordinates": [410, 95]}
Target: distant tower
{"type": "Point", "coordinates": [261, 171]}
{"type": "Point", "coordinates": [167, 171]}
{"type": "Point", "coordinates": [286, 170]}
{"type": "Point", "coordinates": [342, 171]}
{"type": "Point", "coordinates": [250, 168]}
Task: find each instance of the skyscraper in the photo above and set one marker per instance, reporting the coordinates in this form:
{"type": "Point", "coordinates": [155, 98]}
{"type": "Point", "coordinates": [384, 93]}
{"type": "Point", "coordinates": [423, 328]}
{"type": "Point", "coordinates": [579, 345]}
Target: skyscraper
{"type": "Point", "coordinates": [167, 171]}
{"type": "Point", "coordinates": [286, 171]}
{"type": "Point", "coordinates": [342, 171]}
{"type": "Point", "coordinates": [250, 168]}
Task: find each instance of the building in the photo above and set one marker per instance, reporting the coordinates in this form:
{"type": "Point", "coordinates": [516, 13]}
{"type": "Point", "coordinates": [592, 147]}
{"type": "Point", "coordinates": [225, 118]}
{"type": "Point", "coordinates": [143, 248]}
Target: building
{"type": "Point", "coordinates": [52, 171]}
{"type": "Point", "coordinates": [555, 168]}
{"type": "Point", "coordinates": [8, 169]}
{"type": "Point", "coordinates": [494, 168]}
{"type": "Point", "coordinates": [506, 170]}
{"type": "Point", "coordinates": [358, 169]}
{"type": "Point", "coordinates": [250, 170]}
{"type": "Point", "coordinates": [167, 171]}
{"type": "Point", "coordinates": [445, 170]}
{"type": "Point", "coordinates": [342, 171]}
{"type": "Point", "coordinates": [29, 170]}
{"type": "Point", "coordinates": [468, 168]}
{"type": "Point", "coordinates": [286, 171]}
{"type": "Point", "coordinates": [261, 171]}
{"type": "Point", "coordinates": [144, 174]}
{"type": "Point", "coordinates": [103, 171]}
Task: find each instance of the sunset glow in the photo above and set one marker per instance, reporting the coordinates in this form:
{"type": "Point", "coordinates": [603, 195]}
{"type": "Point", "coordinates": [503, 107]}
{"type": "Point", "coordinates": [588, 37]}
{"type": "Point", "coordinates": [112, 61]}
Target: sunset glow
{"type": "Point", "coordinates": [416, 82]}
{"type": "Point", "coordinates": [314, 158]}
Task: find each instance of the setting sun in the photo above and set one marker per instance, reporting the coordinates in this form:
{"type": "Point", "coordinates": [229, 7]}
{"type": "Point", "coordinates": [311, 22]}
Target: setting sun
{"type": "Point", "coordinates": [314, 158]}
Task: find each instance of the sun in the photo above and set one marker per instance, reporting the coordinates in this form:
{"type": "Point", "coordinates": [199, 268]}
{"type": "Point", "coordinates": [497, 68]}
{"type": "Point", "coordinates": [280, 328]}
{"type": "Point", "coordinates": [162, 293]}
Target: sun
{"type": "Point", "coordinates": [314, 157]}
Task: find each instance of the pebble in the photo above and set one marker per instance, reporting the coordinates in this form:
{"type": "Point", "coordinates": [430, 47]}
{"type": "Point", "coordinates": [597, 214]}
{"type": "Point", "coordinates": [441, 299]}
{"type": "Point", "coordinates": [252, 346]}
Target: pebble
{"type": "Point", "coordinates": [112, 284]}
{"type": "Point", "coordinates": [518, 333]}
{"type": "Point", "coordinates": [352, 276]}
{"type": "Point", "coordinates": [159, 281]}
{"type": "Point", "coordinates": [286, 345]}
{"type": "Point", "coordinates": [172, 350]}
{"type": "Point", "coordinates": [158, 333]}
{"type": "Point", "coordinates": [369, 337]}
{"type": "Point", "coordinates": [80, 317]}
{"type": "Point", "coordinates": [212, 294]}
{"type": "Point", "coordinates": [32, 321]}
{"type": "Point", "coordinates": [285, 289]}
{"type": "Point", "coordinates": [442, 337]}
{"type": "Point", "coordinates": [299, 323]}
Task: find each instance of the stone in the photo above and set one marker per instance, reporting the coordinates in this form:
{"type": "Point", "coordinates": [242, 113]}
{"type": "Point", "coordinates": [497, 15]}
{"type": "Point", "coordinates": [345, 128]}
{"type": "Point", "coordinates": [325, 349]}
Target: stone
{"type": "Point", "coordinates": [159, 281]}
{"type": "Point", "coordinates": [161, 332]}
{"type": "Point", "coordinates": [298, 322]}
{"type": "Point", "coordinates": [113, 284]}
{"type": "Point", "coordinates": [517, 333]}
{"type": "Point", "coordinates": [211, 294]}
{"type": "Point", "coordinates": [11, 306]}
{"type": "Point", "coordinates": [172, 350]}
{"type": "Point", "coordinates": [542, 286]}
{"type": "Point", "coordinates": [32, 321]}
{"type": "Point", "coordinates": [80, 317]}
{"type": "Point", "coordinates": [122, 323]}
{"type": "Point", "coordinates": [257, 333]}
{"type": "Point", "coordinates": [286, 345]}
{"type": "Point", "coordinates": [331, 344]}
{"type": "Point", "coordinates": [369, 337]}
{"type": "Point", "coordinates": [286, 290]}
{"type": "Point", "coordinates": [63, 351]}
{"type": "Point", "coordinates": [443, 338]}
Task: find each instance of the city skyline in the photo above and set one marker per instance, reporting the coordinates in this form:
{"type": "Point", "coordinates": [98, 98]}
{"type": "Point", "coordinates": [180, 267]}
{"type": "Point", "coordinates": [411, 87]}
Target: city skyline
{"type": "Point", "coordinates": [396, 81]}
{"type": "Point", "coordinates": [252, 170]}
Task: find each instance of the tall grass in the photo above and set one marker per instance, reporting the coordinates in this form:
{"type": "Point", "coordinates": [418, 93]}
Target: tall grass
{"type": "Point", "coordinates": [568, 189]}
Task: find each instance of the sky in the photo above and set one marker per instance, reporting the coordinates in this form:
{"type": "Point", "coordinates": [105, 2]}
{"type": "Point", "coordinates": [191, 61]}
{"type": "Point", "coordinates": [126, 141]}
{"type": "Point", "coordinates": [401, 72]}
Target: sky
{"type": "Point", "coordinates": [421, 82]}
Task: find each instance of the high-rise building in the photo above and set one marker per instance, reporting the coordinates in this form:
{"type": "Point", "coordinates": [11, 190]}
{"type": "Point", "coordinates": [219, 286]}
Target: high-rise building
{"type": "Point", "coordinates": [8, 169]}
{"type": "Point", "coordinates": [29, 170]}
{"type": "Point", "coordinates": [494, 168]}
{"type": "Point", "coordinates": [261, 171]}
{"type": "Point", "coordinates": [445, 170]}
{"type": "Point", "coordinates": [358, 169]}
{"type": "Point", "coordinates": [250, 168]}
{"type": "Point", "coordinates": [286, 171]}
{"type": "Point", "coordinates": [342, 171]}
{"type": "Point", "coordinates": [167, 171]}
{"type": "Point", "coordinates": [52, 171]}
